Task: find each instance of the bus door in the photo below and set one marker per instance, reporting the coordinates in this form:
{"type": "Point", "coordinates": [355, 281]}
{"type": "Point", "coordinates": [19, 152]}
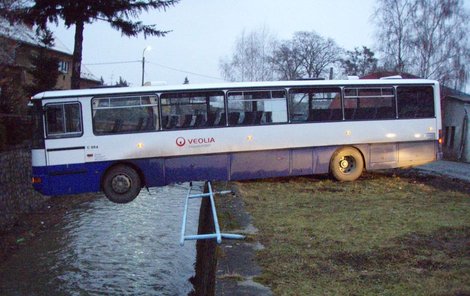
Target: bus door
{"type": "Point", "coordinates": [63, 127]}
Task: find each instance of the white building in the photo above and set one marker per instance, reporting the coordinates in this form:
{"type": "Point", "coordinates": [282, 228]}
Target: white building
{"type": "Point", "coordinates": [456, 125]}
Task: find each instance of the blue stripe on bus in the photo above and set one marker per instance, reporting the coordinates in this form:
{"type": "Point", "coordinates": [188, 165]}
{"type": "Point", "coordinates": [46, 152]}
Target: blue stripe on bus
{"type": "Point", "coordinates": [86, 177]}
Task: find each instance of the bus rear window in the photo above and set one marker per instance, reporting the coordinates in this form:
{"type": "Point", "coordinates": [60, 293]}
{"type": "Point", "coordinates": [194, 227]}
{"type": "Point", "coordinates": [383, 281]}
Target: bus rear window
{"type": "Point", "coordinates": [63, 120]}
{"type": "Point", "coordinates": [415, 102]}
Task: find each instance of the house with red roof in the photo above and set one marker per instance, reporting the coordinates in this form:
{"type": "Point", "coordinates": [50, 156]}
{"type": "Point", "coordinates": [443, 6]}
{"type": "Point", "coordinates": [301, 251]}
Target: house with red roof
{"type": "Point", "coordinates": [18, 43]}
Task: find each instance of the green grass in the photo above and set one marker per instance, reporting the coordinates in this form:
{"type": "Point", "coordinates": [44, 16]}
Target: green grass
{"type": "Point", "coordinates": [380, 235]}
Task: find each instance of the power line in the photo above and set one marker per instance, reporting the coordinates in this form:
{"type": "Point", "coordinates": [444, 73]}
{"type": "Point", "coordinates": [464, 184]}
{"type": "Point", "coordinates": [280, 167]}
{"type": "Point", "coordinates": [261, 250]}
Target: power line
{"type": "Point", "coordinates": [185, 71]}
{"type": "Point", "coordinates": [113, 63]}
{"type": "Point", "coordinates": [157, 64]}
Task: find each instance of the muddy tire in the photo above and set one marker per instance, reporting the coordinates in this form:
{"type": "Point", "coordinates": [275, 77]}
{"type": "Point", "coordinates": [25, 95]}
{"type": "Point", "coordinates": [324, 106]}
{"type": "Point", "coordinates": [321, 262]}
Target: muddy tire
{"type": "Point", "coordinates": [121, 184]}
{"type": "Point", "coordinates": [346, 164]}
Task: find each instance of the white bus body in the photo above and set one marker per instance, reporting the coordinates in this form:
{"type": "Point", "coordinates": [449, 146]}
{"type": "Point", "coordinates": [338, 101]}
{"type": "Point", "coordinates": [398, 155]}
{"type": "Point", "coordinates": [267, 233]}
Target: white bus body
{"type": "Point", "coordinates": [121, 139]}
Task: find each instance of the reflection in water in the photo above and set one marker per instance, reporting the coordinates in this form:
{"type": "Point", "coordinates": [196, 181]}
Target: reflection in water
{"type": "Point", "coordinates": [105, 248]}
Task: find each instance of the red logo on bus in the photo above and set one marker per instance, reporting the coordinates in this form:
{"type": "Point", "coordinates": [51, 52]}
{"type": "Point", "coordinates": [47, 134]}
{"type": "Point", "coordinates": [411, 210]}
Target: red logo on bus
{"type": "Point", "coordinates": [180, 141]}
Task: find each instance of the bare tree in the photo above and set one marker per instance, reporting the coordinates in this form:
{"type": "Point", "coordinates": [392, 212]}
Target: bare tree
{"type": "Point", "coordinates": [316, 53]}
{"type": "Point", "coordinates": [441, 43]}
{"type": "Point", "coordinates": [287, 62]}
{"type": "Point", "coordinates": [257, 56]}
{"type": "Point", "coordinates": [251, 59]}
{"type": "Point", "coordinates": [393, 19]}
{"type": "Point", "coordinates": [427, 38]}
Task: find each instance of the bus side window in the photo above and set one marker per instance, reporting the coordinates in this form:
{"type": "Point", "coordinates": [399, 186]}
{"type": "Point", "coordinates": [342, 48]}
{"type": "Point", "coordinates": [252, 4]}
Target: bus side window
{"type": "Point", "coordinates": [130, 114]}
{"type": "Point", "coordinates": [257, 107]}
{"type": "Point", "coordinates": [315, 104]}
{"type": "Point", "coordinates": [369, 103]}
{"type": "Point", "coordinates": [186, 110]}
{"type": "Point", "coordinates": [63, 120]}
{"type": "Point", "coordinates": [415, 102]}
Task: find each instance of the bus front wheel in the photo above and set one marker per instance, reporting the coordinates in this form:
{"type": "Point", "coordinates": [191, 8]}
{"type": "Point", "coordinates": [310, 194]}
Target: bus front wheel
{"type": "Point", "coordinates": [346, 164]}
{"type": "Point", "coordinates": [121, 184]}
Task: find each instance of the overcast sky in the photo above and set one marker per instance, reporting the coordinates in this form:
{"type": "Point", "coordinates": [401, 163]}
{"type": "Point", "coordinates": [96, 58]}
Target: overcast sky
{"type": "Point", "coordinates": [203, 32]}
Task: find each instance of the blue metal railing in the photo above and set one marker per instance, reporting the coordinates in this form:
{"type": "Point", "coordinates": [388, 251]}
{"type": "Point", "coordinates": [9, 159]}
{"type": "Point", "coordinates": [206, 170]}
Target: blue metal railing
{"type": "Point", "coordinates": [217, 235]}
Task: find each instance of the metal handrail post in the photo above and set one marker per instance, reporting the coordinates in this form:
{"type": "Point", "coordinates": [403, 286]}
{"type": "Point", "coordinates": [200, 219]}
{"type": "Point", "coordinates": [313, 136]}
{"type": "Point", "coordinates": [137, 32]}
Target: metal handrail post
{"type": "Point", "coordinates": [217, 235]}
{"type": "Point", "coordinates": [214, 214]}
{"type": "Point", "coordinates": [185, 214]}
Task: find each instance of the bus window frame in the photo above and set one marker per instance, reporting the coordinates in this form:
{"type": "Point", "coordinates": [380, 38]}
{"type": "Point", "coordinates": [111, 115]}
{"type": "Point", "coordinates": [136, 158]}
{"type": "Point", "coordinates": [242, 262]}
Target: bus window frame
{"type": "Point", "coordinates": [220, 93]}
{"type": "Point", "coordinates": [39, 127]}
{"type": "Point", "coordinates": [139, 95]}
{"type": "Point", "coordinates": [248, 90]}
{"type": "Point", "coordinates": [358, 96]}
{"type": "Point", "coordinates": [433, 92]}
{"type": "Point", "coordinates": [63, 135]}
{"type": "Point", "coordinates": [294, 90]}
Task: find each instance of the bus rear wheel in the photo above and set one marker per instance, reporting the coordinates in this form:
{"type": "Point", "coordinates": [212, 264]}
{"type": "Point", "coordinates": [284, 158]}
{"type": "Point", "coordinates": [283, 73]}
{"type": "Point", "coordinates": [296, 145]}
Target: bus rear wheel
{"type": "Point", "coordinates": [346, 164]}
{"type": "Point", "coordinates": [121, 184]}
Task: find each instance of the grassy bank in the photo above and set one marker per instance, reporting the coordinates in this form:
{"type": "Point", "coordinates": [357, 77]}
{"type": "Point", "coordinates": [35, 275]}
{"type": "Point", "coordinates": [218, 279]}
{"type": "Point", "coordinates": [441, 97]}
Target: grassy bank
{"type": "Point", "coordinates": [383, 234]}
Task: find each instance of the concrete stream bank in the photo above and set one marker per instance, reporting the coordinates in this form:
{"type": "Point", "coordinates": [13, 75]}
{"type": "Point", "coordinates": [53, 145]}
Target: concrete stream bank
{"type": "Point", "coordinates": [228, 268]}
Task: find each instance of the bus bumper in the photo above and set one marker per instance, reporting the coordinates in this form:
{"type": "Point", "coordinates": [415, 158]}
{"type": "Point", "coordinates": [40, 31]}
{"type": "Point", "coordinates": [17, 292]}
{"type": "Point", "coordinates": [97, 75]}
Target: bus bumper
{"type": "Point", "coordinates": [40, 180]}
{"type": "Point", "coordinates": [66, 179]}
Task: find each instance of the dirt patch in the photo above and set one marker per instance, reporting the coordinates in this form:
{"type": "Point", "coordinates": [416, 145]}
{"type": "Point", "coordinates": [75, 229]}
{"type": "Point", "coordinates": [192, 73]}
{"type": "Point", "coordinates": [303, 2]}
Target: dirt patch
{"type": "Point", "coordinates": [439, 182]}
{"type": "Point", "coordinates": [32, 225]}
{"type": "Point", "coordinates": [451, 241]}
{"type": "Point", "coordinates": [424, 251]}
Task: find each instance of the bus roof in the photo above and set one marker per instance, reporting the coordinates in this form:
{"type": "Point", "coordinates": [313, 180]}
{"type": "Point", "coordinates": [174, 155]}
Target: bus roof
{"type": "Point", "coordinates": [226, 86]}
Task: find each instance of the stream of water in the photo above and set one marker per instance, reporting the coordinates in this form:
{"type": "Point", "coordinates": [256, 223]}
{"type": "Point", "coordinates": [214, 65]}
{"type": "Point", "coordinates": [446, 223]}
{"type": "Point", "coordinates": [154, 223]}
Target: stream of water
{"type": "Point", "coordinates": [102, 248]}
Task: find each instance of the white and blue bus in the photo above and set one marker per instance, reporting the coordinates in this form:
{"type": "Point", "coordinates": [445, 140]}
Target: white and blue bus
{"type": "Point", "coordinates": [119, 140]}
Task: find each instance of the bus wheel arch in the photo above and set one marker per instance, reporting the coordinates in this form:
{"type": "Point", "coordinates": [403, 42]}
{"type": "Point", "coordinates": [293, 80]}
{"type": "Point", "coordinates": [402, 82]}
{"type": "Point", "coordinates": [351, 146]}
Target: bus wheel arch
{"type": "Point", "coordinates": [122, 182]}
{"type": "Point", "coordinates": [347, 164]}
